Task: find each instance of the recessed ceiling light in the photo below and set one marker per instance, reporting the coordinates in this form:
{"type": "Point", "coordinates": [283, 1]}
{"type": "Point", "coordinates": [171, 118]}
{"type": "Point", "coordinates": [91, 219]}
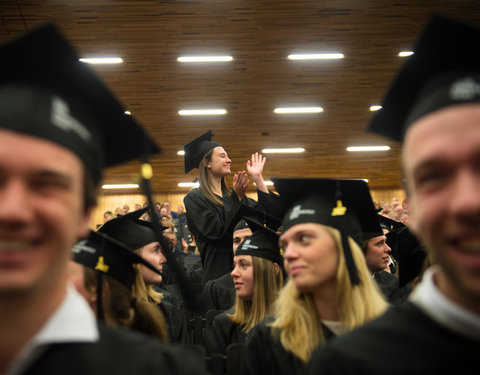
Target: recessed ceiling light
{"type": "Point", "coordinates": [188, 184]}
{"type": "Point", "coordinates": [283, 150]}
{"type": "Point", "coordinates": [298, 110]}
{"type": "Point", "coordinates": [375, 107]}
{"type": "Point", "coordinates": [204, 58]}
{"type": "Point", "coordinates": [316, 56]}
{"type": "Point", "coordinates": [128, 113]}
{"type": "Point", "coordinates": [102, 60]}
{"type": "Point", "coordinates": [181, 152]}
{"type": "Point", "coordinates": [367, 148]}
{"type": "Point", "coordinates": [120, 186]}
{"type": "Point", "coordinates": [201, 112]}
{"type": "Point", "coordinates": [405, 53]}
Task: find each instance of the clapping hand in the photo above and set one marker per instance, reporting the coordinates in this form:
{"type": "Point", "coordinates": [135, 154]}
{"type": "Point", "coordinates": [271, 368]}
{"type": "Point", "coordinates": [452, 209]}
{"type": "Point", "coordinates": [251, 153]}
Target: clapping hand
{"type": "Point", "coordinates": [240, 184]}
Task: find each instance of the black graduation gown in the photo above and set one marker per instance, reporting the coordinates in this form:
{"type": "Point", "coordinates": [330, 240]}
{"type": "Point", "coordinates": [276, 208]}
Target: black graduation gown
{"type": "Point", "coordinates": [265, 355]}
{"type": "Point", "coordinates": [219, 294]}
{"type": "Point", "coordinates": [389, 285]}
{"type": "Point", "coordinates": [222, 333]}
{"type": "Point", "coordinates": [404, 340]}
{"type": "Point", "coordinates": [177, 323]}
{"type": "Point", "coordinates": [119, 352]}
{"type": "Point", "coordinates": [212, 227]}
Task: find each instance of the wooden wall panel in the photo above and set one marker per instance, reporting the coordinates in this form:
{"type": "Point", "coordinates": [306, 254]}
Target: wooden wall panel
{"type": "Point", "coordinates": [110, 202]}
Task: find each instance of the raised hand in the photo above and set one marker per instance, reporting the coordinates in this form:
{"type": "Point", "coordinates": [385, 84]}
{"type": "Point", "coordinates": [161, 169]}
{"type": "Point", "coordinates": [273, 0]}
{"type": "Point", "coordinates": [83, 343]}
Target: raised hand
{"type": "Point", "coordinates": [255, 165]}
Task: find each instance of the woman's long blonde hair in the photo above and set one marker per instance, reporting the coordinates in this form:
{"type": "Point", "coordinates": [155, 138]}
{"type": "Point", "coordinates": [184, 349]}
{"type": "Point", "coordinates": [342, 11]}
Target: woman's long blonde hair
{"type": "Point", "coordinates": [296, 320]}
{"type": "Point", "coordinates": [267, 282]}
{"type": "Point", "coordinates": [205, 186]}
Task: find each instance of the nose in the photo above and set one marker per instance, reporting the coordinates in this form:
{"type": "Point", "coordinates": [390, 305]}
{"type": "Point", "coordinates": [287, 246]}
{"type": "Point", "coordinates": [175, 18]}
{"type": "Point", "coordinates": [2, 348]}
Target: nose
{"type": "Point", "coordinates": [228, 160]}
{"type": "Point", "coordinates": [465, 200]}
{"type": "Point", "coordinates": [162, 259]}
{"type": "Point", "coordinates": [290, 252]}
{"type": "Point", "coordinates": [234, 272]}
{"type": "Point", "coordinates": [15, 206]}
{"type": "Point", "coordinates": [388, 249]}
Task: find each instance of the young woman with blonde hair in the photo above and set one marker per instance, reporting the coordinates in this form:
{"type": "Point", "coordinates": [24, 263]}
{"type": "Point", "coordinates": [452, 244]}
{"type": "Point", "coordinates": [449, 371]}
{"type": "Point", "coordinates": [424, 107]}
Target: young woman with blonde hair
{"type": "Point", "coordinates": [139, 236]}
{"type": "Point", "coordinates": [258, 277]}
{"type": "Point", "coordinates": [330, 290]}
{"type": "Point", "coordinates": [213, 209]}
{"type": "Point", "coordinates": [104, 273]}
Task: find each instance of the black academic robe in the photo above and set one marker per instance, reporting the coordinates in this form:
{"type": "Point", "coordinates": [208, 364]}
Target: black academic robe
{"type": "Point", "coordinates": [219, 294]}
{"type": "Point", "coordinates": [389, 285]}
{"type": "Point", "coordinates": [118, 352]}
{"type": "Point", "coordinates": [176, 323]}
{"type": "Point", "coordinates": [212, 225]}
{"type": "Point", "coordinates": [221, 333]}
{"type": "Point", "coordinates": [265, 355]}
{"type": "Point", "coordinates": [402, 341]}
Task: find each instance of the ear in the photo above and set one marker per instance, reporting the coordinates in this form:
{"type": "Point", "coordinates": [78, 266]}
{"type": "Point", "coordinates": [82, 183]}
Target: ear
{"type": "Point", "coordinates": [277, 268]}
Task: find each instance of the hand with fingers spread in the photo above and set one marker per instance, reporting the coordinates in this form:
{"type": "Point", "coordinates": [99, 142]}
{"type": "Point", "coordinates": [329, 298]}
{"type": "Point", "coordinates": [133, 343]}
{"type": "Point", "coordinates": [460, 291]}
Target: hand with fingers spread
{"type": "Point", "coordinates": [255, 169]}
{"type": "Point", "coordinates": [240, 184]}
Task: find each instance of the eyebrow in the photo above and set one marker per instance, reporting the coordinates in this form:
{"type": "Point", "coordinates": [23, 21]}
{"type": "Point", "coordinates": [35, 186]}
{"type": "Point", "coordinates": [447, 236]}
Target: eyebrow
{"type": "Point", "coordinates": [58, 175]}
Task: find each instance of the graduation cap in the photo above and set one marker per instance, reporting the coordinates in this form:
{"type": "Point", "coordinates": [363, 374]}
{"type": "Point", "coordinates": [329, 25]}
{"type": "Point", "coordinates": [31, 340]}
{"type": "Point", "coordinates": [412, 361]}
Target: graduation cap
{"type": "Point", "coordinates": [109, 256]}
{"type": "Point", "coordinates": [263, 243]}
{"type": "Point", "coordinates": [259, 216]}
{"type": "Point", "coordinates": [196, 150]}
{"type": "Point", "coordinates": [46, 92]}
{"type": "Point", "coordinates": [242, 224]}
{"type": "Point", "coordinates": [130, 230]}
{"type": "Point", "coordinates": [389, 224]}
{"type": "Point", "coordinates": [340, 203]}
{"type": "Point", "coordinates": [409, 253]}
{"type": "Point", "coordinates": [443, 71]}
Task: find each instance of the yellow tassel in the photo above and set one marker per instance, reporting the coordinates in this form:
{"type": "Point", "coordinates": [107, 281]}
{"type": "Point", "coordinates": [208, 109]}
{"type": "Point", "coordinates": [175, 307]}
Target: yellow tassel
{"type": "Point", "coordinates": [339, 210]}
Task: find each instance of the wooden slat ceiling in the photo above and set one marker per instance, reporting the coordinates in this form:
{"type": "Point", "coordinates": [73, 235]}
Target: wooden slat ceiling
{"type": "Point", "coordinates": [150, 35]}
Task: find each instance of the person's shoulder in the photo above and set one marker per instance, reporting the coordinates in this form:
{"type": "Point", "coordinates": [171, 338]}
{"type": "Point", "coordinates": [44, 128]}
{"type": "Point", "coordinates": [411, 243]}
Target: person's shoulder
{"type": "Point", "coordinates": [194, 193]}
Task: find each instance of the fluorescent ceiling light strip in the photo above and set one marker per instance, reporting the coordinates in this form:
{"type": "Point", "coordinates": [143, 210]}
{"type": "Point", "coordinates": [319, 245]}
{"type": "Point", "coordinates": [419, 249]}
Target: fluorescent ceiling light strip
{"type": "Point", "coordinates": [283, 150]}
{"type": "Point", "coordinates": [298, 110]}
{"type": "Point", "coordinates": [204, 58]}
{"type": "Point", "coordinates": [102, 60]}
{"type": "Point", "coordinates": [201, 112]}
{"type": "Point", "coordinates": [128, 113]}
{"type": "Point", "coordinates": [405, 53]}
{"type": "Point", "coordinates": [188, 184]}
{"type": "Point", "coordinates": [120, 186]}
{"type": "Point", "coordinates": [316, 56]}
{"type": "Point", "coordinates": [267, 183]}
{"type": "Point", "coordinates": [181, 152]}
{"type": "Point", "coordinates": [375, 107]}
{"type": "Point", "coordinates": [367, 148]}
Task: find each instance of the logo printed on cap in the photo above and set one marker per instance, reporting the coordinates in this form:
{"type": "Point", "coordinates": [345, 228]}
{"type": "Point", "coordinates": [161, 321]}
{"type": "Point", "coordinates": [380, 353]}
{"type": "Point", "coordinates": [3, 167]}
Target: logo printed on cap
{"type": "Point", "coordinates": [464, 89]}
{"type": "Point", "coordinates": [297, 211]}
{"type": "Point", "coordinates": [60, 117]}
{"type": "Point", "coordinates": [246, 245]}
{"type": "Point", "coordinates": [80, 246]}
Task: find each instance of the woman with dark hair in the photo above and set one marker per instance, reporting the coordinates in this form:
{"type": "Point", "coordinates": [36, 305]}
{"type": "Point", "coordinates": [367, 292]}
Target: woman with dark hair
{"type": "Point", "coordinates": [258, 277]}
{"type": "Point", "coordinates": [213, 209]}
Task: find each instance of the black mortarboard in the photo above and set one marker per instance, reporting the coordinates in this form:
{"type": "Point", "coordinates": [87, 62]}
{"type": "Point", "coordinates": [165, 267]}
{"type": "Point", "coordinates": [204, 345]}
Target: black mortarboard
{"type": "Point", "coordinates": [444, 70]}
{"type": "Point", "coordinates": [130, 230]}
{"type": "Point", "coordinates": [409, 253]}
{"type": "Point", "coordinates": [263, 243]}
{"type": "Point", "coordinates": [46, 92]}
{"type": "Point", "coordinates": [389, 224]}
{"type": "Point", "coordinates": [102, 253]}
{"type": "Point", "coordinates": [260, 216]}
{"type": "Point", "coordinates": [196, 150]}
{"type": "Point", "coordinates": [242, 224]}
{"type": "Point", "coordinates": [339, 203]}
